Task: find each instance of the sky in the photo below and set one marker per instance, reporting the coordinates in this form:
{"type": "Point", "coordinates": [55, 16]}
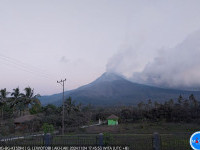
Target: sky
{"type": "Point", "coordinates": [152, 42]}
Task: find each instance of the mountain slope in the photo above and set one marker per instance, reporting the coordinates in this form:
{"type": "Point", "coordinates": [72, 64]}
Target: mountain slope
{"type": "Point", "coordinates": [112, 89]}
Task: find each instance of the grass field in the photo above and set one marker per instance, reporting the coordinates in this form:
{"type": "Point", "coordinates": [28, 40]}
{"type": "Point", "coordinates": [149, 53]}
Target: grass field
{"type": "Point", "coordinates": [144, 128]}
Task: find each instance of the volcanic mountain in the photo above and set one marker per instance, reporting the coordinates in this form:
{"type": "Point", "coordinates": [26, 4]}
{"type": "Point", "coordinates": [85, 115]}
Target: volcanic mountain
{"type": "Point", "coordinates": [113, 89]}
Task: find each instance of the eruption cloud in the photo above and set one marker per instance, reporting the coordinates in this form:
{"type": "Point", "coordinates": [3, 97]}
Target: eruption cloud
{"type": "Point", "coordinates": [177, 67]}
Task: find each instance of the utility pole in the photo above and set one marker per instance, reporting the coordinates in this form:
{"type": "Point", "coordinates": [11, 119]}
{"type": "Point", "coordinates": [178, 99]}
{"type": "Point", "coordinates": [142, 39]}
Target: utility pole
{"type": "Point", "coordinates": [62, 82]}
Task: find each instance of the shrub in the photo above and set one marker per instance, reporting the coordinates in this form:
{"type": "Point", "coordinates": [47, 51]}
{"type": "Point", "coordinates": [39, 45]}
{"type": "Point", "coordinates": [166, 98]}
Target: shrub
{"type": "Point", "coordinates": [47, 128]}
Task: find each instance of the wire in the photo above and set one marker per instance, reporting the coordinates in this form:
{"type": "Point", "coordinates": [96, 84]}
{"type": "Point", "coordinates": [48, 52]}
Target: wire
{"type": "Point", "coordinates": [15, 61]}
{"type": "Point", "coordinates": [24, 67]}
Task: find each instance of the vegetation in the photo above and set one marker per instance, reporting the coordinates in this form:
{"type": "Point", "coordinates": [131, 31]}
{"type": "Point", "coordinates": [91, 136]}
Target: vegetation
{"type": "Point", "coordinates": [15, 104]}
{"type": "Point", "coordinates": [175, 120]}
{"type": "Point", "coordinates": [48, 128]}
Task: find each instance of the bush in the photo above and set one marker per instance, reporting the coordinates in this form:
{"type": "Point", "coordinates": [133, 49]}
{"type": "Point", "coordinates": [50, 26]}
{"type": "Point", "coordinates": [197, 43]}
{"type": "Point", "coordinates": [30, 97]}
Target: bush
{"type": "Point", "coordinates": [47, 128]}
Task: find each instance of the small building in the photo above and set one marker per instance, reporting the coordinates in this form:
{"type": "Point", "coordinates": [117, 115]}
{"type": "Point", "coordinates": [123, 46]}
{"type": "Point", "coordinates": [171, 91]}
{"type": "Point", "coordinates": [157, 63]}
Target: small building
{"type": "Point", "coordinates": [21, 122]}
{"type": "Point", "coordinates": [112, 120]}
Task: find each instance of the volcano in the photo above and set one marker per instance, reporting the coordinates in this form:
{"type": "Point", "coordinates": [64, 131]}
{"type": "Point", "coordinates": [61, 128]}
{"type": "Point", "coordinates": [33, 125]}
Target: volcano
{"type": "Point", "coordinates": [114, 89]}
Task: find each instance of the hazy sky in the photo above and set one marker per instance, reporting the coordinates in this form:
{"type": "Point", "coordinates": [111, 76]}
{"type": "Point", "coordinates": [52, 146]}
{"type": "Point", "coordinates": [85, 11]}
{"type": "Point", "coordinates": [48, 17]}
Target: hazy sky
{"type": "Point", "coordinates": [44, 41]}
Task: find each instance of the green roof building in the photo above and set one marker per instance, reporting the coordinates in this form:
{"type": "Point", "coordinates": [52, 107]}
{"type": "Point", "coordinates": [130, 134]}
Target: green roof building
{"type": "Point", "coordinates": [113, 120]}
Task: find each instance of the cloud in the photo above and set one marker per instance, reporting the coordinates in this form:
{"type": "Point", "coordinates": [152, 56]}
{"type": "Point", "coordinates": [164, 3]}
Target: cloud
{"type": "Point", "coordinates": [63, 59]}
{"type": "Point", "coordinates": [122, 61]}
{"type": "Point", "coordinates": [177, 67]}
{"type": "Point", "coordinates": [130, 59]}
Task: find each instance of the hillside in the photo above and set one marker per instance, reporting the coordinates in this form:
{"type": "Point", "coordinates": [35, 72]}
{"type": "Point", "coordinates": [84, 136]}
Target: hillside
{"type": "Point", "coordinates": [112, 89]}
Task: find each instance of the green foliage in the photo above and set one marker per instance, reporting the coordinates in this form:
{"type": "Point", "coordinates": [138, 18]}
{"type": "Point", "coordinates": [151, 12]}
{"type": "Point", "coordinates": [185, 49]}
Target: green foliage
{"type": "Point", "coordinates": [48, 128]}
{"type": "Point", "coordinates": [8, 112]}
{"type": "Point", "coordinates": [52, 115]}
{"type": "Point", "coordinates": [50, 109]}
{"type": "Point", "coordinates": [35, 109]}
{"type": "Point", "coordinates": [18, 102]}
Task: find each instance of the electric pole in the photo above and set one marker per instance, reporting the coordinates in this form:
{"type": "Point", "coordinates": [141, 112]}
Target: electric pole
{"type": "Point", "coordinates": [62, 82]}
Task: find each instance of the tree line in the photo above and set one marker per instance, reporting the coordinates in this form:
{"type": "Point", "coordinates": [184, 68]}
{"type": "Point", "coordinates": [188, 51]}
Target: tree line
{"type": "Point", "coordinates": [16, 103]}
{"type": "Point", "coordinates": [178, 110]}
{"type": "Point", "coordinates": [174, 110]}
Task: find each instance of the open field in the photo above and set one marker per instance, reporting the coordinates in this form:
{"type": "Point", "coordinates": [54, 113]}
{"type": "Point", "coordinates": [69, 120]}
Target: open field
{"type": "Point", "coordinates": [145, 128]}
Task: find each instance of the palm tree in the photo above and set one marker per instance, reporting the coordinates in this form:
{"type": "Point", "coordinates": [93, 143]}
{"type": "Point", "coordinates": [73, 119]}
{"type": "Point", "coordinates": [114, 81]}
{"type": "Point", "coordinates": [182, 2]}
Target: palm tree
{"type": "Point", "coordinates": [16, 93]}
{"type": "Point", "coordinates": [29, 98]}
{"type": "Point", "coordinates": [3, 100]}
{"type": "Point", "coordinates": [16, 100]}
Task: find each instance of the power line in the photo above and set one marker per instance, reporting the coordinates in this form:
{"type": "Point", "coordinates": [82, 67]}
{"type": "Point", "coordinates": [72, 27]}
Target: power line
{"type": "Point", "coordinates": [24, 67]}
{"type": "Point", "coordinates": [21, 64]}
{"type": "Point", "coordinates": [20, 68]}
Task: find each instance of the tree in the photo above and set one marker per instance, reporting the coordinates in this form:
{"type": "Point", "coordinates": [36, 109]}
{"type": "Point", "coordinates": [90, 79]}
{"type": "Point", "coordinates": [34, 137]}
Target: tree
{"type": "Point", "coordinates": [16, 102]}
{"type": "Point", "coordinates": [78, 107]}
{"type": "Point", "coordinates": [51, 114]}
{"type": "Point", "coordinates": [149, 104]}
{"type": "Point", "coordinates": [141, 105]}
{"type": "Point", "coordinates": [48, 128]}
{"type": "Point", "coordinates": [193, 101]}
{"type": "Point", "coordinates": [126, 114]}
{"type": "Point", "coordinates": [35, 108]}
{"type": "Point", "coordinates": [70, 105]}
{"type": "Point", "coordinates": [16, 93]}
{"type": "Point", "coordinates": [29, 98]}
{"type": "Point", "coordinates": [180, 99]}
{"type": "Point", "coordinates": [156, 104]}
{"type": "Point", "coordinates": [171, 103]}
{"type": "Point", "coordinates": [73, 112]}
{"type": "Point", "coordinates": [186, 104]}
{"type": "Point", "coordinates": [3, 100]}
